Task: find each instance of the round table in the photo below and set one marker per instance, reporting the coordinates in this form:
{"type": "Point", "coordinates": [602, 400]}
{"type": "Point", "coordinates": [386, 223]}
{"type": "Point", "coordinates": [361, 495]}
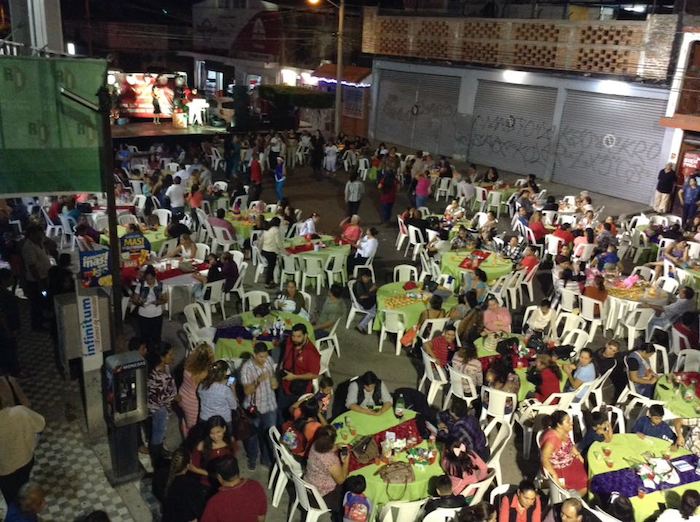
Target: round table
{"type": "Point", "coordinates": [674, 401]}
{"type": "Point", "coordinates": [621, 477]}
{"type": "Point", "coordinates": [495, 266]}
{"type": "Point", "coordinates": [506, 190]}
{"type": "Point", "coordinates": [229, 348]}
{"type": "Point", "coordinates": [640, 294]}
{"type": "Point", "coordinates": [244, 222]}
{"type": "Point", "coordinates": [155, 237]}
{"type": "Point", "coordinates": [410, 307]}
{"type": "Point", "coordinates": [377, 490]}
{"type": "Point", "coordinates": [300, 247]}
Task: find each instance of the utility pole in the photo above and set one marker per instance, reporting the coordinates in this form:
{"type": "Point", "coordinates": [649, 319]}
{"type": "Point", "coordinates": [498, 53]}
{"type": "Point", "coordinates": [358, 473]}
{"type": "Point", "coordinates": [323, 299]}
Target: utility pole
{"type": "Point", "coordinates": [339, 70]}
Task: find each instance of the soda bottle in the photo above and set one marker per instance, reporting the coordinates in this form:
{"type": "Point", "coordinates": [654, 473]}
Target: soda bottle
{"type": "Point", "coordinates": [399, 406]}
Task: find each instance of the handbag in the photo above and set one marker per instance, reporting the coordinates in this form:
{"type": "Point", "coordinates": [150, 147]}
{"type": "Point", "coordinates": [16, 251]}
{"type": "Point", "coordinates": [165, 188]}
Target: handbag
{"type": "Point", "coordinates": [396, 473]}
{"type": "Point", "coordinates": [243, 428]}
{"type": "Point", "coordinates": [366, 450]}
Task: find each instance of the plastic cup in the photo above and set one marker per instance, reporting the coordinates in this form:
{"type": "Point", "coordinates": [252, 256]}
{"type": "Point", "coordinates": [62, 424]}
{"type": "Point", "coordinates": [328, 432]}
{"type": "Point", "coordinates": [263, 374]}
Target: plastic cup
{"type": "Point", "coordinates": [641, 492]}
{"type": "Point", "coordinates": [609, 463]}
{"type": "Point", "coordinates": [353, 431]}
{"type": "Point", "coordinates": [607, 452]}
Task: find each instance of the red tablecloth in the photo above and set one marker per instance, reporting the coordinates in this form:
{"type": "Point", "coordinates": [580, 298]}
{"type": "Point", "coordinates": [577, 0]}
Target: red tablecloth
{"type": "Point", "coordinates": [131, 274]}
{"type": "Point", "coordinates": [688, 376]}
{"type": "Point", "coordinates": [300, 249]}
{"type": "Point", "coordinates": [474, 260]}
{"type": "Point", "coordinates": [403, 431]}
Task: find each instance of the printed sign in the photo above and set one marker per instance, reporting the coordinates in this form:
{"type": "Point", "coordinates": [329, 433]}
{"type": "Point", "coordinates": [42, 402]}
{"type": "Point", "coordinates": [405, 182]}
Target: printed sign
{"type": "Point", "coordinates": [94, 269]}
{"type": "Point", "coordinates": [90, 331]}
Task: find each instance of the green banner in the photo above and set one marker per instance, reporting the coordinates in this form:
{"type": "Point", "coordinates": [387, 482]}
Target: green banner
{"type": "Point", "coordinates": [48, 142]}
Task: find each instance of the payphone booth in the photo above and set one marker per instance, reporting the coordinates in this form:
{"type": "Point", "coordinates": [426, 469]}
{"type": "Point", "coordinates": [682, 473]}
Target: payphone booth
{"type": "Point", "coordinates": [125, 395]}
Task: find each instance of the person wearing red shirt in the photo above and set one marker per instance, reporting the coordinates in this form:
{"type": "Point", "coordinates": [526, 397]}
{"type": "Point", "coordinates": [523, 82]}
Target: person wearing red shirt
{"type": "Point", "coordinates": [522, 505]}
{"type": "Point", "coordinates": [255, 177]}
{"type": "Point", "coordinates": [55, 209]}
{"type": "Point", "coordinates": [564, 232]}
{"type": "Point", "coordinates": [387, 188]}
{"type": "Point", "coordinates": [301, 365]}
{"type": "Point", "coordinates": [238, 499]}
{"type": "Point", "coordinates": [530, 261]}
{"type": "Point", "coordinates": [538, 228]}
{"type": "Point", "coordinates": [442, 346]}
{"type": "Point", "coordinates": [550, 374]}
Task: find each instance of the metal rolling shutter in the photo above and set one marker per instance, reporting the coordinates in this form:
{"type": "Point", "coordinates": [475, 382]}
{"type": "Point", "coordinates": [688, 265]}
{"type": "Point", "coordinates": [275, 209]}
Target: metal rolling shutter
{"type": "Point", "coordinates": [434, 128]}
{"type": "Point", "coordinates": [512, 127]}
{"type": "Point", "coordinates": [610, 144]}
{"type": "Point", "coordinates": [417, 111]}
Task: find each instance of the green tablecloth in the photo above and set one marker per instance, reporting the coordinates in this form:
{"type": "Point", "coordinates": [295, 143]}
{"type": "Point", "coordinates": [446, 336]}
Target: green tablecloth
{"type": "Point", "coordinates": [506, 192]}
{"type": "Point", "coordinates": [242, 225]}
{"type": "Point", "coordinates": [155, 237]}
{"type": "Point", "coordinates": [626, 449]}
{"type": "Point", "coordinates": [495, 266]}
{"type": "Point", "coordinates": [675, 402]}
{"type": "Point", "coordinates": [235, 349]}
{"type": "Point", "coordinates": [411, 310]}
{"type": "Point", "coordinates": [377, 490]}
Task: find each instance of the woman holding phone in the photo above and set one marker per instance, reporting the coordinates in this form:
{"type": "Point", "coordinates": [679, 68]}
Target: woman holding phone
{"type": "Point", "coordinates": [217, 395]}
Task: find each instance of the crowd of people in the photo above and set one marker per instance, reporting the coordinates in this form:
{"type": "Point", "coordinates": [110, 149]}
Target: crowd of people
{"type": "Point", "coordinates": [228, 413]}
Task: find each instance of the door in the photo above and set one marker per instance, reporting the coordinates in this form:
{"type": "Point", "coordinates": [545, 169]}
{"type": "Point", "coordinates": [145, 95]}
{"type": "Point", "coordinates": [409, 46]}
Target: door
{"type": "Point", "coordinates": [417, 111]}
{"type": "Point", "coordinates": [512, 127]}
{"type": "Point", "coordinates": [610, 144]}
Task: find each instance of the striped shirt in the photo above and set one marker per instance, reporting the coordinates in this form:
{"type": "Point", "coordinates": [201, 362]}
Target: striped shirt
{"type": "Point", "coordinates": [264, 394]}
{"type": "Point", "coordinates": [354, 190]}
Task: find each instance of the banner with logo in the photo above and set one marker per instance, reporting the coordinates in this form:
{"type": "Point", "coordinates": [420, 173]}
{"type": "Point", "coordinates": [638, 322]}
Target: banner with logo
{"type": "Point", "coordinates": [90, 329]}
{"type": "Point", "coordinates": [49, 144]}
{"type": "Point", "coordinates": [94, 269]}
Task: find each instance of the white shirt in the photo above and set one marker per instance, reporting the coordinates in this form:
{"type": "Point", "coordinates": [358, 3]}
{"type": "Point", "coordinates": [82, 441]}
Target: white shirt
{"type": "Point", "coordinates": [539, 321]}
{"type": "Point", "coordinates": [177, 195]}
{"type": "Point", "coordinates": [367, 247]}
{"type": "Point", "coordinates": [271, 241]}
{"type": "Point", "coordinates": [466, 190]}
{"type": "Point", "coordinates": [673, 515]}
{"type": "Point", "coordinates": [275, 145]}
{"type": "Point", "coordinates": [149, 308]}
{"type": "Point", "coordinates": [308, 227]}
{"type": "Point", "coordinates": [183, 174]}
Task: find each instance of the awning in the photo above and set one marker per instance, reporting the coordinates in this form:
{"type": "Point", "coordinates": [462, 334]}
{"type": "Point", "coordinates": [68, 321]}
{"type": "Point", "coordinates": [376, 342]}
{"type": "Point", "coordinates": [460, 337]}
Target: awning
{"type": "Point", "coordinates": [352, 75]}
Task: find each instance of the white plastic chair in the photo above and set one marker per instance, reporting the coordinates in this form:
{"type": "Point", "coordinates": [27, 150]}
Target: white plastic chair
{"type": "Point", "coordinates": [688, 361]}
{"type": "Point", "coordinates": [480, 199]}
{"type": "Point", "coordinates": [588, 307]}
{"type": "Point", "coordinates": [644, 272]}
{"type": "Point", "coordinates": [402, 234]}
{"type": "Point", "coordinates": [636, 324]}
{"type": "Point", "coordinates": [200, 325]}
{"type": "Point", "coordinates": [288, 269]}
{"type": "Point", "coordinates": [431, 327]}
{"type": "Point", "coordinates": [667, 284]}
{"type": "Point", "coordinates": [202, 251]}
{"type": "Point", "coordinates": [497, 492]}
{"type": "Point", "coordinates": [303, 490]}
{"type": "Point", "coordinates": [514, 287]}
{"type": "Point", "coordinates": [335, 268]}
{"type": "Point", "coordinates": [122, 219]}
{"type": "Point", "coordinates": [164, 216]}
{"type": "Point", "coordinates": [222, 238]}
{"type": "Point", "coordinates": [496, 404]}
{"type": "Point", "coordinates": [570, 321]}
{"type": "Point", "coordinates": [493, 200]}
{"type": "Point", "coordinates": [312, 268]}
{"type": "Point", "coordinates": [568, 300]}
{"type": "Point", "coordinates": [254, 298]}
{"type": "Point", "coordinates": [444, 188]}
{"type": "Point", "coordinates": [401, 511]}
{"type": "Point", "coordinates": [331, 340]}
{"type": "Point", "coordinates": [504, 433]}
{"type": "Point", "coordinates": [477, 490]}
{"type": "Point", "coordinates": [51, 229]}
{"type": "Point", "coordinates": [577, 338]}
{"type": "Point", "coordinates": [415, 241]}
{"type": "Point", "coordinates": [461, 386]}
{"type": "Point", "coordinates": [552, 244]}
{"type": "Point", "coordinates": [442, 514]}
{"type": "Point", "coordinates": [405, 273]}
{"type": "Point", "coordinates": [212, 297]}
{"type": "Point", "coordinates": [679, 341]}
{"type": "Point", "coordinates": [527, 282]}
{"type": "Point", "coordinates": [434, 374]}
{"type": "Point", "coordinates": [393, 322]}
{"type": "Point", "coordinates": [355, 307]}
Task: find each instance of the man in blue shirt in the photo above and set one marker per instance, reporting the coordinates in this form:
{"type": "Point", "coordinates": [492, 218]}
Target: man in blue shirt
{"type": "Point", "coordinates": [653, 425]}
{"type": "Point", "coordinates": [689, 195]}
{"type": "Point", "coordinates": [609, 257]}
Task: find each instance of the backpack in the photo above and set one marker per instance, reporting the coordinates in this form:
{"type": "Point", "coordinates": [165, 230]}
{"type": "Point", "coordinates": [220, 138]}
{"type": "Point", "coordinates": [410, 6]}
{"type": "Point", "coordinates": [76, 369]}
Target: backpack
{"type": "Point", "coordinates": [292, 438]}
{"type": "Point", "coordinates": [356, 508]}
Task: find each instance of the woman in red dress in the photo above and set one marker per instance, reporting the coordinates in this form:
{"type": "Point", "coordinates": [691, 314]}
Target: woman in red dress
{"type": "Point", "coordinates": [560, 458]}
{"type": "Point", "coordinates": [217, 443]}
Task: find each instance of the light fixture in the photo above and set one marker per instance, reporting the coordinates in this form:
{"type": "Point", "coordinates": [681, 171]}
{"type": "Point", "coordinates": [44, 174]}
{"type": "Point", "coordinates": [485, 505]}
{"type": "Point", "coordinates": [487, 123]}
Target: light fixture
{"type": "Point", "coordinates": [514, 76]}
{"type": "Point", "coordinates": [70, 48]}
{"type": "Point", "coordinates": [614, 87]}
{"type": "Point", "coordinates": [637, 8]}
{"type": "Point", "coordinates": [347, 84]}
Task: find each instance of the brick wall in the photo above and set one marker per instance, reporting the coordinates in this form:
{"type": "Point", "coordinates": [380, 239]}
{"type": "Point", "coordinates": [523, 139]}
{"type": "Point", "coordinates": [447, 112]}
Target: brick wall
{"type": "Point", "coordinates": [623, 48]}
